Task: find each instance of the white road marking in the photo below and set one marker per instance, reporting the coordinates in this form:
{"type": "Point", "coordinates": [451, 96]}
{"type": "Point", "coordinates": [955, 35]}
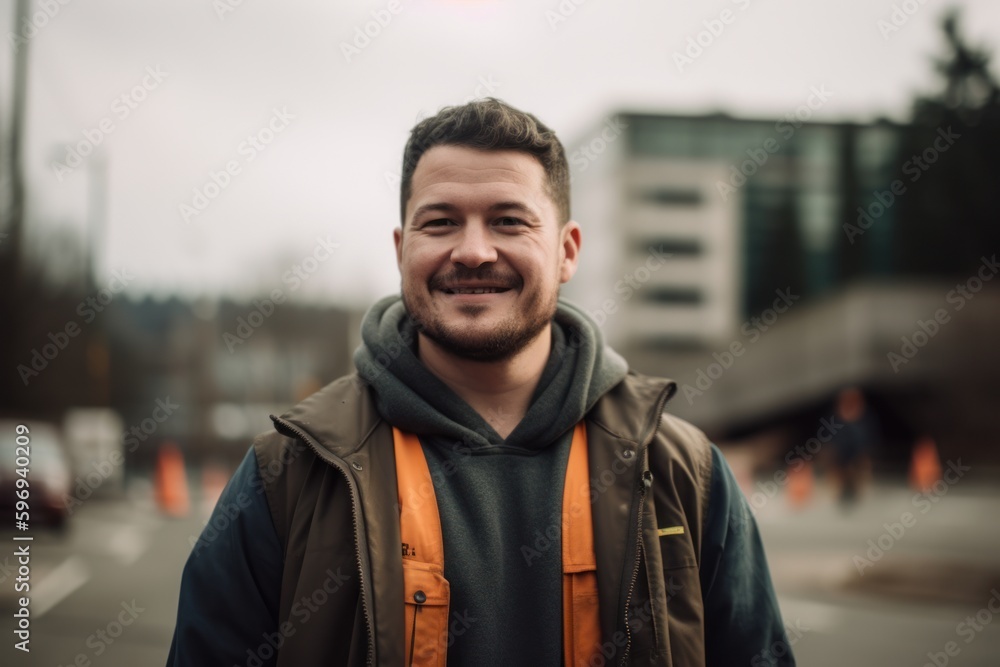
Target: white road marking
{"type": "Point", "coordinates": [61, 582]}
{"type": "Point", "coordinates": [825, 618]}
{"type": "Point", "coordinates": [127, 544]}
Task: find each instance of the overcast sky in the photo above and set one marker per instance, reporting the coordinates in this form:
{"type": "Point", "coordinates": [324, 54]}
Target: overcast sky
{"type": "Point", "coordinates": [212, 73]}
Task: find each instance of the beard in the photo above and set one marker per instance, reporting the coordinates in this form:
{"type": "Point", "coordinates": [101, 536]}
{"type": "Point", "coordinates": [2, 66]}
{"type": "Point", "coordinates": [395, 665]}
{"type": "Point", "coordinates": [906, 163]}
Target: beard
{"type": "Point", "coordinates": [497, 342]}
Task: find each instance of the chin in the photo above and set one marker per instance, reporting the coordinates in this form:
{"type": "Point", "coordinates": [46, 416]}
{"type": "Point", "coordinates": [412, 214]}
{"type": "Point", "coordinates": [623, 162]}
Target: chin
{"type": "Point", "coordinates": [483, 341]}
{"type": "Point", "coordinates": [478, 332]}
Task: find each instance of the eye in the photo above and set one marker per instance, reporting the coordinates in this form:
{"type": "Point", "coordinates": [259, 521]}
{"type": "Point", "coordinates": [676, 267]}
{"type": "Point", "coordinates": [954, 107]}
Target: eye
{"type": "Point", "coordinates": [508, 221]}
{"type": "Point", "coordinates": [441, 222]}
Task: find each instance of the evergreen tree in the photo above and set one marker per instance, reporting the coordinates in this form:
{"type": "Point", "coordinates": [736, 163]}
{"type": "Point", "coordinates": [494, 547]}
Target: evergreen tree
{"type": "Point", "coordinates": [950, 162]}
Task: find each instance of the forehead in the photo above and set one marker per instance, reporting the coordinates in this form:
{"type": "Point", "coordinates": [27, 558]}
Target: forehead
{"type": "Point", "coordinates": [467, 176]}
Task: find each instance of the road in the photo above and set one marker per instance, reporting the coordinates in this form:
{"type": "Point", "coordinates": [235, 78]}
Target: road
{"type": "Point", "coordinates": [905, 597]}
{"type": "Point", "coordinates": [105, 593]}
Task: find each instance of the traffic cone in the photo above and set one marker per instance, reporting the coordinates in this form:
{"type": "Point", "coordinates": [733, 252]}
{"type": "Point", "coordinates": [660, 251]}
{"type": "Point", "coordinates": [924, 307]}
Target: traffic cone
{"type": "Point", "coordinates": [171, 481]}
{"type": "Point", "coordinates": [800, 485]}
{"type": "Point", "coordinates": [925, 466]}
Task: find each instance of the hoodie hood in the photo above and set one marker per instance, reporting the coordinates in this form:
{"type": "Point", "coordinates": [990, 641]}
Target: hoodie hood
{"type": "Point", "coordinates": [580, 369]}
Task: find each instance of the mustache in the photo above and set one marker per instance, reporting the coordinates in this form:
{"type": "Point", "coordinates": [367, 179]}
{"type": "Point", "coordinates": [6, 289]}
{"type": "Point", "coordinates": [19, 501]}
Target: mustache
{"type": "Point", "coordinates": [483, 275]}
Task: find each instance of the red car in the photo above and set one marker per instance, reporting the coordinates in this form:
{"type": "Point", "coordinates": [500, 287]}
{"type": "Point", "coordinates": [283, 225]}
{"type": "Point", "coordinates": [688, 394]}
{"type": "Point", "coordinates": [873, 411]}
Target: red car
{"type": "Point", "coordinates": [48, 474]}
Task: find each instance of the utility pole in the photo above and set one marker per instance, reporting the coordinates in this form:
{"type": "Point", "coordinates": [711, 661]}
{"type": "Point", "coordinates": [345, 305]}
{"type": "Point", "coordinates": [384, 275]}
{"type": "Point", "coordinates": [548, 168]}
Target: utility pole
{"type": "Point", "coordinates": [13, 299]}
{"type": "Point", "coordinates": [12, 246]}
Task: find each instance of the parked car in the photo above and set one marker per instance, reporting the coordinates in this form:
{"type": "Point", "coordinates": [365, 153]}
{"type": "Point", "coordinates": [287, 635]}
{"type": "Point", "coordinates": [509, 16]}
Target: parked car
{"type": "Point", "coordinates": [49, 473]}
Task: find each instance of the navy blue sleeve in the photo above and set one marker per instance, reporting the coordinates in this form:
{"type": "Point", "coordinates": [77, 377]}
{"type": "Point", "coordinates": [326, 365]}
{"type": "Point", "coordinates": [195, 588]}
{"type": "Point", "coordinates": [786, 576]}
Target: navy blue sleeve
{"type": "Point", "coordinates": [231, 584]}
{"type": "Point", "coordinates": [743, 624]}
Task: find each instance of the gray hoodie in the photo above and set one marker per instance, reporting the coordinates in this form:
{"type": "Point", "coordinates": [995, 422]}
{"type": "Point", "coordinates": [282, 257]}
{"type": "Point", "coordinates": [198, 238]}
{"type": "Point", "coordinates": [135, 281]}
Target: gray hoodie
{"type": "Point", "coordinates": [500, 500]}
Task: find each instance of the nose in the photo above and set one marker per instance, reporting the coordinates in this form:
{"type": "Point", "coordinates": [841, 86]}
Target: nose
{"type": "Point", "coordinates": [473, 247]}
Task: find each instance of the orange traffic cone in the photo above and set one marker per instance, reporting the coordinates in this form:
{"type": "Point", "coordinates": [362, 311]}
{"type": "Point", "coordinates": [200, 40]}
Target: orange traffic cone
{"type": "Point", "coordinates": [800, 485]}
{"type": "Point", "coordinates": [171, 481]}
{"type": "Point", "coordinates": [925, 466]}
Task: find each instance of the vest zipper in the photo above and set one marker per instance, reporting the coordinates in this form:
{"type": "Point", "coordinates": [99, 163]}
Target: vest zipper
{"type": "Point", "coordinates": [285, 427]}
{"type": "Point", "coordinates": [646, 482]}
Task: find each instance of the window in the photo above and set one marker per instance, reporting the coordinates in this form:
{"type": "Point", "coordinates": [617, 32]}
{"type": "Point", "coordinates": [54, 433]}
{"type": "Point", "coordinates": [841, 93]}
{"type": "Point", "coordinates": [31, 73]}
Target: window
{"type": "Point", "coordinates": [664, 196]}
{"type": "Point", "coordinates": [674, 247]}
{"type": "Point", "coordinates": [675, 296]}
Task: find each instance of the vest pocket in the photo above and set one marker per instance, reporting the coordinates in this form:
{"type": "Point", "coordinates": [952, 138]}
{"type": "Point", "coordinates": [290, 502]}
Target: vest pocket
{"type": "Point", "coordinates": [426, 596]}
{"type": "Point", "coordinates": [581, 621]}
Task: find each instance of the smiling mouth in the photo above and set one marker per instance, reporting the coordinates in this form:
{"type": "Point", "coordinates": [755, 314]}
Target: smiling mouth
{"type": "Point", "coordinates": [474, 290]}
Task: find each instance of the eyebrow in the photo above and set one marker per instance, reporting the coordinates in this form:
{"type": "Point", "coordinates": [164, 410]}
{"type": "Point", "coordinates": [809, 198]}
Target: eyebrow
{"type": "Point", "coordinates": [445, 207]}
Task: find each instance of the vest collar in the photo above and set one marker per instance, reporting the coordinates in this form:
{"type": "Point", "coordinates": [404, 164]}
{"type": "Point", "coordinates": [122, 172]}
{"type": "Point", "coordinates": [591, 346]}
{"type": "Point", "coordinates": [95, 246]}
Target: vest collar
{"type": "Point", "coordinates": [336, 414]}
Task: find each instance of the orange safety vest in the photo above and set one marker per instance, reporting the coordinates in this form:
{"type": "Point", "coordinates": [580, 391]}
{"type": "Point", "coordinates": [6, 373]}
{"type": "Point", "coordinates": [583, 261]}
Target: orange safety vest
{"type": "Point", "coordinates": [427, 592]}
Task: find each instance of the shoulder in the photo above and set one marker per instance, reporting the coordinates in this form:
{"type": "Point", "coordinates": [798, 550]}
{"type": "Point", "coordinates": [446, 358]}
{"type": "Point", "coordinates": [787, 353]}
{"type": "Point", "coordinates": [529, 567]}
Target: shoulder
{"type": "Point", "coordinates": [686, 442]}
{"type": "Point", "coordinates": [338, 420]}
{"type": "Point", "coordinates": [683, 453]}
{"type": "Point", "coordinates": [334, 416]}
{"type": "Point", "coordinates": [634, 409]}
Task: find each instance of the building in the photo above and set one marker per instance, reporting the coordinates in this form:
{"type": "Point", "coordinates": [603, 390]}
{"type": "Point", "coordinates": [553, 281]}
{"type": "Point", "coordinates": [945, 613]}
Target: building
{"type": "Point", "coordinates": [751, 261]}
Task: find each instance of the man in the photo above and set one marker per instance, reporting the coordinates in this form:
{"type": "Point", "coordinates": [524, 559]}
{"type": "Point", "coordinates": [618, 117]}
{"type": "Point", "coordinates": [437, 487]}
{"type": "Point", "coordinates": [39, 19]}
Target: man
{"type": "Point", "coordinates": [493, 486]}
{"type": "Point", "coordinates": [852, 444]}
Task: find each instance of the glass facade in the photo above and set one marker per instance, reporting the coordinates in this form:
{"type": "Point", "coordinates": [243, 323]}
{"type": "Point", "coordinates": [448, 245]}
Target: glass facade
{"type": "Point", "coordinates": [799, 186]}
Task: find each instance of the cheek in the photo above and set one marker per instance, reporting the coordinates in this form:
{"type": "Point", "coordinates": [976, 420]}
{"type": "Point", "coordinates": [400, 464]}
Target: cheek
{"type": "Point", "coordinates": [539, 268]}
{"type": "Point", "coordinates": [419, 263]}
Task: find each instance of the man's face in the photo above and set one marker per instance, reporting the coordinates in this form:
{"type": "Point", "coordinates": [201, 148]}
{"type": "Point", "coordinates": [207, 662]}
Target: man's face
{"type": "Point", "coordinates": [482, 254]}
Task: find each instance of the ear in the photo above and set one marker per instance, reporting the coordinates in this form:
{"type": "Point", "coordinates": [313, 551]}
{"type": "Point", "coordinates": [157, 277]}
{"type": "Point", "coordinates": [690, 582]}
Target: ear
{"type": "Point", "coordinates": [569, 241]}
{"type": "Point", "coordinates": [397, 238]}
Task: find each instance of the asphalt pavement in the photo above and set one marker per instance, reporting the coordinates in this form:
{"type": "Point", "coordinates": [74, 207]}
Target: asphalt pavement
{"type": "Point", "coordinates": [900, 580]}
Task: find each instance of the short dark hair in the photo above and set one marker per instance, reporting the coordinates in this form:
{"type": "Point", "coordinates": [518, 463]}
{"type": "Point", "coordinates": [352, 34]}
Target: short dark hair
{"type": "Point", "coordinates": [489, 124]}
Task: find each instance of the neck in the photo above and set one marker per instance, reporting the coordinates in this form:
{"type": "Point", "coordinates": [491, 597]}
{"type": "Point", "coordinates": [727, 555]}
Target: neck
{"type": "Point", "coordinates": [500, 391]}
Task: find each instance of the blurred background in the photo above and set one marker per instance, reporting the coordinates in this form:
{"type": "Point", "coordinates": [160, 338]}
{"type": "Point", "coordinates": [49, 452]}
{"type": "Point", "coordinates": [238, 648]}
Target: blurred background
{"type": "Point", "coordinates": [789, 208]}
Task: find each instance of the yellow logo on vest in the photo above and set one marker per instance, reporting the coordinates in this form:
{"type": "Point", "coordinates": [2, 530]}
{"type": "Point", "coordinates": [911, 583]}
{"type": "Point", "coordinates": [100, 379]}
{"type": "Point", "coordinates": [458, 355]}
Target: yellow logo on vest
{"type": "Point", "coordinates": [670, 530]}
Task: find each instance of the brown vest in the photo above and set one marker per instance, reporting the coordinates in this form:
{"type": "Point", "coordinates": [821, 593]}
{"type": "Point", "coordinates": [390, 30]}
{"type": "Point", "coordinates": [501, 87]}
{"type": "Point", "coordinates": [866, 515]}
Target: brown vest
{"type": "Point", "coordinates": [329, 474]}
